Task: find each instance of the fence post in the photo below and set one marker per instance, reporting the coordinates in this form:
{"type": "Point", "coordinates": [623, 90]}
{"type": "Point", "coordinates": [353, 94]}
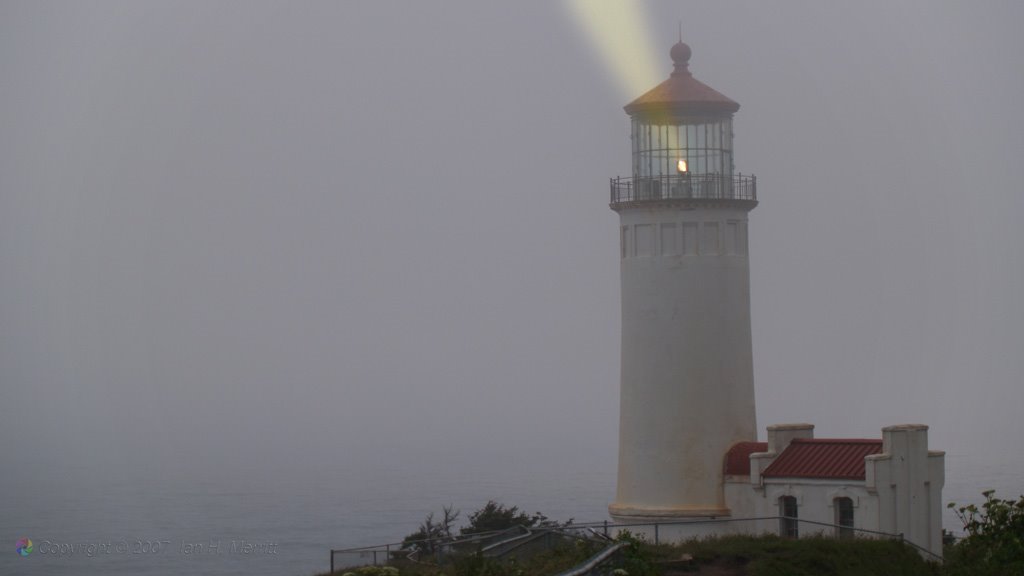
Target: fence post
{"type": "Point", "coordinates": [605, 532]}
{"type": "Point", "coordinates": [332, 561]}
{"type": "Point", "coordinates": [655, 532]}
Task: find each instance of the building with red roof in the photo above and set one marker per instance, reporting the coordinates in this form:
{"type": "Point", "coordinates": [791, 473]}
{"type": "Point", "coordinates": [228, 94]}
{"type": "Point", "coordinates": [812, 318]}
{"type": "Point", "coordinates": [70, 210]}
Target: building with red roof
{"type": "Point", "coordinates": [844, 486]}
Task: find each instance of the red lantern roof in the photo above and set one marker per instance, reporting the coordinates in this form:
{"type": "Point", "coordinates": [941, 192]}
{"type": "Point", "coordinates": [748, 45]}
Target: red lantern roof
{"type": "Point", "coordinates": [682, 94]}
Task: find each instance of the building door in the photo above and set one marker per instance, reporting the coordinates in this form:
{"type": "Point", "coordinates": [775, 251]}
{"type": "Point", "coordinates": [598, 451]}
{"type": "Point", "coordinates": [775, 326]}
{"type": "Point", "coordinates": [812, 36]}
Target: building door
{"type": "Point", "coordinates": [788, 524]}
{"type": "Point", "coordinates": [844, 517]}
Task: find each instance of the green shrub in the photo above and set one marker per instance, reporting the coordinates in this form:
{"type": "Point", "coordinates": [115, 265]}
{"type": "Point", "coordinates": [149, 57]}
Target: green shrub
{"type": "Point", "coordinates": [373, 571]}
{"type": "Point", "coordinates": [494, 516]}
{"type": "Point", "coordinates": [994, 544]}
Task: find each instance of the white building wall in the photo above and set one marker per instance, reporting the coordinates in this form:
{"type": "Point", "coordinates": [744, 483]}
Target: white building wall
{"type": "Point", "coordinates": [747, 501]}
{"type": "Point", "coordinates": [816, 502]}
{"type": "Point", "coordinates": [687, 391]}
{"type": "Point", "coordinates": [908, 480]}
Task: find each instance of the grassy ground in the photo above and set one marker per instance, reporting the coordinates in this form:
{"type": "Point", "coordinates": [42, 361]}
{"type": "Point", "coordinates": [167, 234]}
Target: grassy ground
{"type": "Point", "coordinates": [549, 562]}
{"type": "Point", "coordinates": [773, 556]}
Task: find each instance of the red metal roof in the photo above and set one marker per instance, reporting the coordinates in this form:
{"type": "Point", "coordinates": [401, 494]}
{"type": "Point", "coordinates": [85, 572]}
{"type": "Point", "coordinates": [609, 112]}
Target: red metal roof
{"type": "Point", "coordinates": [737, 459]}
{"type": "Point", "coordinates": [840, 458]}
{"type": "Point", "coordinates": [682, 93]}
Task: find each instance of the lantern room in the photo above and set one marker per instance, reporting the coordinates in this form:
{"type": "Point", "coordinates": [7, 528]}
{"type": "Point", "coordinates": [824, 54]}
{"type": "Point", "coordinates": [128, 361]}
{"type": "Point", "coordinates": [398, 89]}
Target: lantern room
{"type": "Point", "coordinates": [682, 142]}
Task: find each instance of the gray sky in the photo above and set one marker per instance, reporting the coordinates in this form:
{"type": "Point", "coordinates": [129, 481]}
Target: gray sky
{"type": "Point", "coordinates": [230, 230]}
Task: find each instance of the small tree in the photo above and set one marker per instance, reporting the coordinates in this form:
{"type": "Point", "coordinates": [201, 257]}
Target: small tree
{"type": "Point", "coordinates": [494, 516]}
{"type": "Point", "coordinates": [994, 544]}
{"type": "Point", "coordinates": [431, 533]}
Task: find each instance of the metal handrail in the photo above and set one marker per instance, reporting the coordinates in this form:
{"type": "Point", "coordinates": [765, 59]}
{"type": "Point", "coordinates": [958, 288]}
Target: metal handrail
{"type": "Point", "coordinates": [398, 545]}
{"type": "Point", "coordinates": [686, 186]}
{"type": "Point", "coordinates": [895, 536]}
{"type": "Point", "coordinates": [594, 561]}
{"type": "Point", "coordinates": [409, 545]}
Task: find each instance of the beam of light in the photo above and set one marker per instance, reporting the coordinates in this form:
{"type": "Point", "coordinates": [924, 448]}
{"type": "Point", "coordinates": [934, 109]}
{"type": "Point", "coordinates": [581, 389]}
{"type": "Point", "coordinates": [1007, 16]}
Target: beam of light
{"type": "Point", "coordinates": [618, 32]}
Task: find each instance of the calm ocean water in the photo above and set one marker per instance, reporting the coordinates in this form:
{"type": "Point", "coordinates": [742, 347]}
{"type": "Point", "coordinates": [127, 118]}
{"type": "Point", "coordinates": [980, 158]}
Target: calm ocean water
{"type": "Point", "coordinates": [284, 523]}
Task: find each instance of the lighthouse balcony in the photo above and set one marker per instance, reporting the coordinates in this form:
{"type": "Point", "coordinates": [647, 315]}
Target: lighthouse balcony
{"type": "Point", "coordinates": [714, 188]}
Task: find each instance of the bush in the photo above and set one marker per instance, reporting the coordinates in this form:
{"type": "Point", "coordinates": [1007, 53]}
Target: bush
{"type": "Point", "coordinates": [634, 557]}
{"type": "Point", "coordinates": [373, 571]}
{"type": "Point", "coordinates": [994, 544]}
{"type": "Point", "coordinates": [494, 516]}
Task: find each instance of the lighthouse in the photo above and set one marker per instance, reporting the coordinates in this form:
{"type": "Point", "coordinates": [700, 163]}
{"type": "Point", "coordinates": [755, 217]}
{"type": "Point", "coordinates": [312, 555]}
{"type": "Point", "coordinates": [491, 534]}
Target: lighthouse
{"type": "Point", "coordinates": [687, 384]}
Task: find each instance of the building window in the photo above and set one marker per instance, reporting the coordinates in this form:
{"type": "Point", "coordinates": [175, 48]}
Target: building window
{"type": "Point", "coordinates": [788, 524]}
{"type": "Point", "coordinates": [844, 517]}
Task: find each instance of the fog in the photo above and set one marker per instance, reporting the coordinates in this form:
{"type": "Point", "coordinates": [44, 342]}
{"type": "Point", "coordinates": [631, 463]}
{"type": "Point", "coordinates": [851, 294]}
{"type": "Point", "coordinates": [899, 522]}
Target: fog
{"type": "Point", "coordinates": [259, 235]}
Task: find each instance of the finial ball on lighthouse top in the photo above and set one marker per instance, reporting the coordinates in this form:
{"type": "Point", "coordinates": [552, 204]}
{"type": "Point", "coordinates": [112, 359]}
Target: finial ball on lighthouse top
{"type": "Point", "coordinates": [680, 54]}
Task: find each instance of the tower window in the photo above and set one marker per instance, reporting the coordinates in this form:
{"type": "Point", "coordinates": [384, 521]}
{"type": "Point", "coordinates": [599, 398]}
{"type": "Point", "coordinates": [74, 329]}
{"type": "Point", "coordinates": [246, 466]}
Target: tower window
{"type": "Point", "coordinates": [788, 524]}
{"type": "Point", "coordinates": [844, 517]}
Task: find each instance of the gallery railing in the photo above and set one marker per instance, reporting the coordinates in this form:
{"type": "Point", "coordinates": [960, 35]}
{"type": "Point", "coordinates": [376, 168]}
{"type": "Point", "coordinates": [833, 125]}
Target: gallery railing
{"type": "Point", "coordinates": [683, 187]}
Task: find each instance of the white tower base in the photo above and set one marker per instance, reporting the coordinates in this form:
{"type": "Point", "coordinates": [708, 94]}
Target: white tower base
{"type": "Point", "coordinates": [687, 390]}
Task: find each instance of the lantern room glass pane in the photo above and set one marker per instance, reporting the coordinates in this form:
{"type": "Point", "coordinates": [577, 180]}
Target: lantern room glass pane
{"type": "Point", "coordinates": [704, 144]}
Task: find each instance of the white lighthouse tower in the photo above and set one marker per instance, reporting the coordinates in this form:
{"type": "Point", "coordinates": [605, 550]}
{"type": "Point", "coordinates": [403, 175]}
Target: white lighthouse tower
{"type": "Point", "coordinates": [687, 391]}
